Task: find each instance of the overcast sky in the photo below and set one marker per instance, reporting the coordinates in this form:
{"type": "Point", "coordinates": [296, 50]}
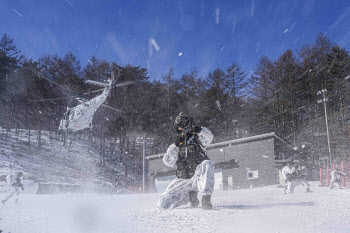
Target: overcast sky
{"type": "Point", "coordinates": [160, 34]}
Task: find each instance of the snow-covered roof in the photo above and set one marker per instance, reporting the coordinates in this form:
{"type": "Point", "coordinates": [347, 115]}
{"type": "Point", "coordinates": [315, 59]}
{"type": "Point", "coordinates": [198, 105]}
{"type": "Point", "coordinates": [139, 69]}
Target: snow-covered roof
{"type": "Point", "coordinates": [57, 183]}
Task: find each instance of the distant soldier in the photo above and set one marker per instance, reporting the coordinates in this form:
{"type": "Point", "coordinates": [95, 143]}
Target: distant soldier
{"type": "Point", "coordinates": [302, 177]}
{"type": "Point", "coordinates": [293, 179]}
{"type": "Point", "coordinates": [335, 174]}
{"type": "Point", "coordinates": [287, 173]}
{"type": "Point", "coordinates": [302, 172]}
{"type": "Point", "coordinates": [14, 180]}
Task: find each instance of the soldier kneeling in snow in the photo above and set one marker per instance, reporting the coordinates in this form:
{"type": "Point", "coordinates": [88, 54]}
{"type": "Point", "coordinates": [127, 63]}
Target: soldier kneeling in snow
{"type": "Point", "coordinates": [194, 170]}
{"type": "Point", "coordinates": [335, 178]}
{"type": "Point", "coordinates": [14, 180]}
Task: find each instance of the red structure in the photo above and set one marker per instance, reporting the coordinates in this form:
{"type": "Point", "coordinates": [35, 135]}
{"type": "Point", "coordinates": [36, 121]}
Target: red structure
{"type": "Point", "coordinates": [345, 167]}
{"type": "Point", "coordinates": [321, 177]}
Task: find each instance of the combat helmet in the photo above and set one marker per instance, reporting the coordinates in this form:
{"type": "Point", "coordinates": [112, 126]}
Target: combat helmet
{"type": "Point", "coordinates": [182, 121]}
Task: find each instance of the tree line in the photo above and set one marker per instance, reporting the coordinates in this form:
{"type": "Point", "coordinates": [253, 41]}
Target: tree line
{"type": "Point", "coordinates": [281, 96]}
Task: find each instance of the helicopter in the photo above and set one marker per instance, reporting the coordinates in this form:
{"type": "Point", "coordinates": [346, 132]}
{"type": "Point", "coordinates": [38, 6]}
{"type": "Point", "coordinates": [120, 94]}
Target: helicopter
{"type": "Point", "coordinates": [80, 111]}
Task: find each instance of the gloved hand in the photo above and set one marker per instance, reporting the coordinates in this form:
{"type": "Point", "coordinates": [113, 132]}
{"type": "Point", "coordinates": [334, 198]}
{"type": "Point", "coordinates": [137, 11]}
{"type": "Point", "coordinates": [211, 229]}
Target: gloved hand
{"type": "Point", "coordinates": [196, 129]}
{"type": "Point", "coordinates": [180, 140]}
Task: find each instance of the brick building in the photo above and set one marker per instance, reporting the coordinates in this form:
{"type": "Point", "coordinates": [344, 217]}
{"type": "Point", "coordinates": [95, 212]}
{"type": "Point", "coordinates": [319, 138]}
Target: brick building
{"type": "Point", "coordinates": [255, 157]}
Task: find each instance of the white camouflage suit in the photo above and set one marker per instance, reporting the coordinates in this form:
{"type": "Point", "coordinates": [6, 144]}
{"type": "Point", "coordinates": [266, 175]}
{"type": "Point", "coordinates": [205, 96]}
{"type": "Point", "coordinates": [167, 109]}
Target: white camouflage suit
{"type": "Point", "coordinates": [335, 178]}
{"type": "Point", "coordinates": [287, 171]}
{"type": "Point", "coordinates": [11, 180]}
{"type": "Point", "coordinates": [177, 192]}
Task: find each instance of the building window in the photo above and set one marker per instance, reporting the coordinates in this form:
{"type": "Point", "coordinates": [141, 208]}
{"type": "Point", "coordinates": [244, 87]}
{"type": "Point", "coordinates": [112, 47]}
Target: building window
{"type": "Point", "coordinates": [252, 175]}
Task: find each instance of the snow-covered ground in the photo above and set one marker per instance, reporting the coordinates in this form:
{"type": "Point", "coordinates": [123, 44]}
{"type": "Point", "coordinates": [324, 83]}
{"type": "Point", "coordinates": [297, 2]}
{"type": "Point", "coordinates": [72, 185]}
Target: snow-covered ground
{"type": "Point", "coordinates": [253, 210]}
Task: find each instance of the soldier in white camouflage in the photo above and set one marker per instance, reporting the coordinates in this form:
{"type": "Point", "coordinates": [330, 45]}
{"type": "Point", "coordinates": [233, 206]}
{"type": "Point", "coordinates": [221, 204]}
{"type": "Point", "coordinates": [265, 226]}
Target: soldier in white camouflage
{"type": "Point", "coordinates": [293, 178]}
{"type": "Point", "coordinates": [194, 170]}
{"type": "Point", "coordinates": [336, 178]}
{"type": "Point", "coordinates": [15, 182]}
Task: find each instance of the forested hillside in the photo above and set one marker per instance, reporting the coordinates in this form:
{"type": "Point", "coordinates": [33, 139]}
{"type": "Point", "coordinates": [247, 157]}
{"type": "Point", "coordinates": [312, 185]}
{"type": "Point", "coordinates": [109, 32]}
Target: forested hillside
{"type": "Point", "coordinates": [281, 96]}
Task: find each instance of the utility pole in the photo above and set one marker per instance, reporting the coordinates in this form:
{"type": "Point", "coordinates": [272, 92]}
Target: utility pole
{"type": "Point", "coordinates": [324, 91]}
{"type": "Point", "coordinates": [143, 164]}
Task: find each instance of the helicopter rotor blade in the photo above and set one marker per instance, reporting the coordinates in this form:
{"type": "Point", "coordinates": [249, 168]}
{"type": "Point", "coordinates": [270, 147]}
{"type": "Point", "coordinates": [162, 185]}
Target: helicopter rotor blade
{"type": "Point", "coordinates": [124, 84]}
{"type": "Point", "coordinates": [118, 75]}
{"type": "Point", "coordinates": [52, 99]}
{"type": "Point", "coordinates": [109, 107]}
{"type": "Point", "coordinates": [97, 83]}
{"type": "Point", "coordinates": [62, 87]}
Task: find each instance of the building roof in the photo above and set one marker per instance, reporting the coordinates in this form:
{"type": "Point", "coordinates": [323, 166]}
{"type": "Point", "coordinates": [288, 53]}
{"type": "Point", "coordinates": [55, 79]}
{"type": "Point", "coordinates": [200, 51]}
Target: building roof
{"type": "Point", "coordinates": [235, 141]}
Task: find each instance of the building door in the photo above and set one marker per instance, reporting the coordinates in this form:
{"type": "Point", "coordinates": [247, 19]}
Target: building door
{"type": "Point", "coordinates": [281, 180]}
{"type": "Point", "coordinates": [218, 179]}
{"type": "Point", "coordinates": [229, 183]}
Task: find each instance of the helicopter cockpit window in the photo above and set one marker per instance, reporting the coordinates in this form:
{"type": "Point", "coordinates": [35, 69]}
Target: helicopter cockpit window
{"type": "Point", "coordinates": [66, 115]}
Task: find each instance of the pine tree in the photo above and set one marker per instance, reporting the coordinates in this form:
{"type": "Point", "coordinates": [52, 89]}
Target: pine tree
{"type": "Point", "coordinates": [10, 58]}
{"type": "Point", "coordinates": [216, 103]}
{"type": "Point", "coordinates": [264, 93]}
{"type": "Point", "coordinates": [236, 81]}
{"type": "Point", "coordinates": [97, 69]}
